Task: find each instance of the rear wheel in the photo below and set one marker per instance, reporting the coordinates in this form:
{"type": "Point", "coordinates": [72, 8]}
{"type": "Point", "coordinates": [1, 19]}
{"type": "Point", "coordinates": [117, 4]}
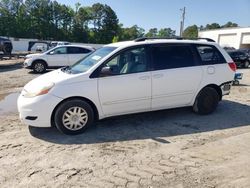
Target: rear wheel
{"type": "Point", "coordinates": [206, 101]}
{"type": "Point", "coordinates": [39, 67]}
{"type": "Point", "coordinates": [74, 117]}
{"type": "Point", "coordinates": [7, 50]}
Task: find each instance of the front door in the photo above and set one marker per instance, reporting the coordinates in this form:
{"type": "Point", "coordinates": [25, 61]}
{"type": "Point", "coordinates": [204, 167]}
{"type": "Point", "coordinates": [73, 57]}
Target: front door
{"type": "Point", "coordinates": [58, 57]}
{"type": "Point", "coordinates": [127, 89]}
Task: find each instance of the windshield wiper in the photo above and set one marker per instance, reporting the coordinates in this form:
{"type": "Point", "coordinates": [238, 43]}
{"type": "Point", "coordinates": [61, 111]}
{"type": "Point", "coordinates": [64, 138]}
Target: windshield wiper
{"type": "Point", "coordinates": [66, 69]}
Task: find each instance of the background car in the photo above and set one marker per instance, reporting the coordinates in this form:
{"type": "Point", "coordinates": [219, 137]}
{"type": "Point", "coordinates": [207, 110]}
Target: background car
{"type": "Point", "coordinates": [229, 48]}
{"type": "Point", "coordinates": [59, 56]}
{"type": "Point", "coordinates": [240, 58]}
{"type": "Point", "coordinates": [5, 45]}
{"type": "Point", "coordinates": [58, 43]}
{"type": "Point", "coordinates": [246, 50]}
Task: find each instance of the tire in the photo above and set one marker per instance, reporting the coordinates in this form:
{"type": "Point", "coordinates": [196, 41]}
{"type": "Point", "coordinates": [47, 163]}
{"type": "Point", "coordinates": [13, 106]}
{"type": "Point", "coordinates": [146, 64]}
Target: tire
{"type": "Point", "coordinates": [39, 67]}
{"type": "Point", "coordinates": [246, 64]}
{"type": "Point", "coordinates": [7, 49]}
{"type": "Point", "coordinates": [206, 101]}
{"type": "Point", "coordinates": [74, 117]}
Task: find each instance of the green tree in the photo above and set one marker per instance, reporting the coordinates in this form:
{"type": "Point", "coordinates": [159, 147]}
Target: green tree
{"type": "Point", "coordinates": [191, 32]}
{"type": "Point", "coordinates": [130, 33]}
{"type": "Point", "coordinates": [212, 26]}
{"type": "Point", "coordinates": [166, 32]}
{"type": "Point", "coordinates": [152, 32]}
{"type": "Point", "coordinates": [229, 24]}
{"type": "Point", "coordinates": [105, 23]}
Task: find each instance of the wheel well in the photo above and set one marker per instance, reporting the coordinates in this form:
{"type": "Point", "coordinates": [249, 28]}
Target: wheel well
{"type": "Point", "coordinates": [39, 60]}
{"type": "Point", "coordinates": [217, 88]}
{"type": "Point", "coordinates": [96, 114]}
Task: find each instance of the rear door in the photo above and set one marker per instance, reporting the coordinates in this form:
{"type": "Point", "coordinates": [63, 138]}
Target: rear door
{"type": "Point", "coordinates": [176, 76]}
{"type": "Point", "coordinates": [77, 53]}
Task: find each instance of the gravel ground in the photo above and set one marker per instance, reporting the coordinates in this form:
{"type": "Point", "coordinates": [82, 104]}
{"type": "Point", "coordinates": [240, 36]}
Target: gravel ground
{"type": "Point", "coordinates": [170, 148]}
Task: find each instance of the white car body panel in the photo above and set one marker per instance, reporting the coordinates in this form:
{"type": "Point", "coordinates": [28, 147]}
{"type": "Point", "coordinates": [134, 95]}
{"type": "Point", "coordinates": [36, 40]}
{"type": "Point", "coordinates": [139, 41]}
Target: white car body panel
{"type": "Point", "coordinates": [28, 107]}
{"type": "Point", "coordinates": [57, 60]}
{"type": "Point", "coordinates": [169, 89]}
{"type": "Point", "coordinates": [125, 93]}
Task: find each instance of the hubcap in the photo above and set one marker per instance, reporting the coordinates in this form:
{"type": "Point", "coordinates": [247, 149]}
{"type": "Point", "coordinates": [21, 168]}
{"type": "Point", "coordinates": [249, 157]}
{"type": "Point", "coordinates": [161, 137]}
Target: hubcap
{"type": "Point", "coordinates": [39, 67]}
{"type": "Point", "coordinates": [75, 118]}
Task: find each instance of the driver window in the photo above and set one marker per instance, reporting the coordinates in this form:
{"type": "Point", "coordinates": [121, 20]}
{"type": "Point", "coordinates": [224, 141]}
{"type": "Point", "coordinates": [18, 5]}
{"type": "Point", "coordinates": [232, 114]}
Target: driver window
{"type": "Point", "coordinates": [130, 61]}
{"type": "Point", "coordinates": [61, 50]}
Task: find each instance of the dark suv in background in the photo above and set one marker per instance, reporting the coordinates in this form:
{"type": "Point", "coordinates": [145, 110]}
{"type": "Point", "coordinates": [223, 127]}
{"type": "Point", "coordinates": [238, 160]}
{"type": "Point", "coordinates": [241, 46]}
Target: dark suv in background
{"type": "Point", "coordinates": [5, 46]}
{"type": "Point", "coordinates": [245, 50]}
{"type": "Point", "coordinates": [241, 58]}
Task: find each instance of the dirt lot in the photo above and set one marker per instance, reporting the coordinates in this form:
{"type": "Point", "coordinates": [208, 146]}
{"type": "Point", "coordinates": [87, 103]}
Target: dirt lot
{"type": "Point", "coordinates": [171, 148]}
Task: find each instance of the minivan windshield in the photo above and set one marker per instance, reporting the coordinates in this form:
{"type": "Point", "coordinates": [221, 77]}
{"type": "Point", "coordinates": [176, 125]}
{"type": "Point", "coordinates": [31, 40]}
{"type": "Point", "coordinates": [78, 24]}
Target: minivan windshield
{"type": "Point", "coordinates": [89, 61]}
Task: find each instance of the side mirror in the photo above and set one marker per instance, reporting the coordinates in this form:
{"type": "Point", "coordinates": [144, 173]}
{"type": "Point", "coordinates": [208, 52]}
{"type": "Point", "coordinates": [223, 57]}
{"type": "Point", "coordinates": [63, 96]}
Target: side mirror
{"type": "Point", "coordinates": [106, 71]}
{"type": "Point", "coordinates": [52, 53]}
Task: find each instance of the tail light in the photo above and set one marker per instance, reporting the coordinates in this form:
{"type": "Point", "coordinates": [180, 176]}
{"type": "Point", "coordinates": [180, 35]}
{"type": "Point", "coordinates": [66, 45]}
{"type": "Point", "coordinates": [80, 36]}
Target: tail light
{"type": "Point", "coordinates": [232, 66]}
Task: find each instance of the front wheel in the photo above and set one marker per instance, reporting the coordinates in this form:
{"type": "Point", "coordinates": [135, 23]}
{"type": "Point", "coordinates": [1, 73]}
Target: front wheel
{"type": "Point", "coordinates": [74, 117]}
{"type": "Point", "coordinates": [206, 101]}
{"type": "Point", "coordinates": [39, 67]}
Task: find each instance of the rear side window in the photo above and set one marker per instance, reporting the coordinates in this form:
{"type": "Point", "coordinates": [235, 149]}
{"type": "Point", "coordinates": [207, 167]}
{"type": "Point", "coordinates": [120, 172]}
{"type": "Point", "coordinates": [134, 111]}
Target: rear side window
{"type": "Point", "coordinates": [172, 56]}
{"type": "Point", "coordinates": [77, 50]}
{"type": "Point", "coordinates": [210, 55]}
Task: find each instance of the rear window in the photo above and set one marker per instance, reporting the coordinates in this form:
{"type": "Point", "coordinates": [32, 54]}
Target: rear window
{"type": "Point", "coordinates": [78, 50]}
{"type": "Point", "coordinates": [210, 55]}
{"type": "Point", "coordinates": [172, 56]}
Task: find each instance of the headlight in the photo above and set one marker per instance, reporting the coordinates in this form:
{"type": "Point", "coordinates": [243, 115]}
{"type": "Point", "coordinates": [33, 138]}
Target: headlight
{"type": "Point", "coordinates": [38, 91]}
{"type": "Point", "coordinates": [27, 57]}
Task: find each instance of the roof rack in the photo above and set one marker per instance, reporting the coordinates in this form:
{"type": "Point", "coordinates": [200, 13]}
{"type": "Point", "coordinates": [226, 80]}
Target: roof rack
{"type": "Point", "coordinates": [177, 38]}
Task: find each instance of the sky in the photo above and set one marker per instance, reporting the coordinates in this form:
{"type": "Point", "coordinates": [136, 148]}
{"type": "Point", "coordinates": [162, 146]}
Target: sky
{"type": "Point", "coordinates": [166, 13]}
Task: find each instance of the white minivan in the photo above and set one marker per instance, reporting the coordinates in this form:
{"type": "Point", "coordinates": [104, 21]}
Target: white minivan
{"type": "Point", "coordinates": [60, 56]}
{"type": "Point", "coordinates": [129, 77]}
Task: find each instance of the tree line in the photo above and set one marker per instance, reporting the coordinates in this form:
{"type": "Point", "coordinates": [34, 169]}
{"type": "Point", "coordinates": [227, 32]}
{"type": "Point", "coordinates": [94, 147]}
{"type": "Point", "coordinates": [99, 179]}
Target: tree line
{"type": "Point", "coordinates": [192, 31]}
{"type": "Point", "coordinates": [50, 20]}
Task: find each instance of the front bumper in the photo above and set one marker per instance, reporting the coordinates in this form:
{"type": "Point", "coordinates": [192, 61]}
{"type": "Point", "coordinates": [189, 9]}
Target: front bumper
{"type": "Point", "coordinates": [37, 111]}
{"type": "Point", "coordinates": [27, 63]}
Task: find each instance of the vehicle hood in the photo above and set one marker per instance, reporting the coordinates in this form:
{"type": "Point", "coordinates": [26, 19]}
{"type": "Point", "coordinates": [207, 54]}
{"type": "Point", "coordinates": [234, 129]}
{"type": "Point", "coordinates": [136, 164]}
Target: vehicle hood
{"type": "Point", "coordinates": [56, 77]}
{"type": "Point", "coordinates": [33, 55]}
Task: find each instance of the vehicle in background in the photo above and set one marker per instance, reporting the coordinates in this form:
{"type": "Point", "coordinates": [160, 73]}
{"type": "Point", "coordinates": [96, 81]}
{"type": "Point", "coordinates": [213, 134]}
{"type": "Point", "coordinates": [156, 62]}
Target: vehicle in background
{"type": "Point", "coordinates": [146, 74]}
{"type": "Point", "coordinates": [237, 77]}
{"type": "Point", "coordinates": [245, 50]}
{"type": "Point", "coordinates": [240, 58]}
{"type": "Point", "coordinates": [60, 56]}
{"type": "Point", "coordinates": [40, 48]}
{"type": "Point", "coordinates": [58, 43]}
{"type": "Point", "coordinates": [228, 48]}
{"type": "Point", "coordinates": [5, 46]}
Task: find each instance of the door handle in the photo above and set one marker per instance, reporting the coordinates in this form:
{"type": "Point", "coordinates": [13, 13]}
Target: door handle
{"type": "Point", "coordinates": [158, 75]}
{"type": "Point", "coordinates": [144, 77]}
